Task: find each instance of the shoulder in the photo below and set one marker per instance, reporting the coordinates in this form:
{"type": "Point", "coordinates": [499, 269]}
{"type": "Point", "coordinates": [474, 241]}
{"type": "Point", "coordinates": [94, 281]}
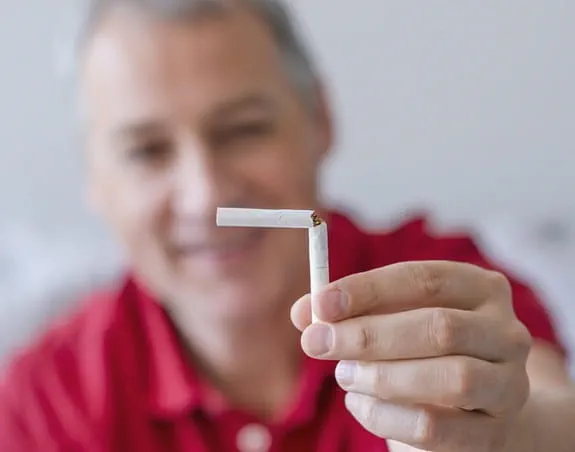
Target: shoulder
{"type": "Point", "coordinates": [416, 238]}
{"type": "Point", "coordinates": [412, 236]}
{"type": "Point", "coordinates": [48, 387]}
{"type": "Point", "coordinates": [407, 238]}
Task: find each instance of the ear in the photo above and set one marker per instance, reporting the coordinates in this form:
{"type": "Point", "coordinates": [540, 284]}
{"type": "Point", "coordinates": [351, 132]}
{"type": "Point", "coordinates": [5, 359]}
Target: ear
{"type": "Point", "coordinates": [324, 117]}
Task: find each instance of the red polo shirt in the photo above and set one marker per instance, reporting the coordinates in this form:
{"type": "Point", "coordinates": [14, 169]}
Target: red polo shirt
{"type": "Point", "coordinates": [113, 376]}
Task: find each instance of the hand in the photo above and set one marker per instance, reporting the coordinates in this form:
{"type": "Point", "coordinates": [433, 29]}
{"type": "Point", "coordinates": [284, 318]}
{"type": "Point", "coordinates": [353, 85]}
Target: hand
{"type": "Point", "coordinates": [431, 353]}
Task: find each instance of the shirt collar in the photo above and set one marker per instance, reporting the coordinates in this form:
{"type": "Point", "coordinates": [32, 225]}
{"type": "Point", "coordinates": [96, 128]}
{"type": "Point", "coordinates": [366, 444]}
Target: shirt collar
{"type": "Point", "coordinates": [175, 390]}
{"type": "Point", "coordinates": [171, 384]}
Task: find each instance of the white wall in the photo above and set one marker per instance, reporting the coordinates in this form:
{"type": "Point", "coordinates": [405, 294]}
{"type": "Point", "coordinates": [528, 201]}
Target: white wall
{"type": "Point", "coordinates": [39, 165]}
{"type": "Point", "coordinates": [468, 106]}
{"type": "Point", "coordinates": [465, 106]}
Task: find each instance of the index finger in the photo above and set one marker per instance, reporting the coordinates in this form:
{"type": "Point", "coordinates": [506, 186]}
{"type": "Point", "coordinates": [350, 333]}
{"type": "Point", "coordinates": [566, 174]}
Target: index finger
{"type": "Point", "coordinates": [406, 286]}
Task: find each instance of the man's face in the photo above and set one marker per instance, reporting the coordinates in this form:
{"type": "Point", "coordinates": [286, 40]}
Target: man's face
{"type": "Point", "coordinates": [184, 117]}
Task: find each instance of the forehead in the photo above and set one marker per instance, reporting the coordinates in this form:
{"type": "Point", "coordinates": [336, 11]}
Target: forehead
{"type": "Point", "coordinates": [136, 64]}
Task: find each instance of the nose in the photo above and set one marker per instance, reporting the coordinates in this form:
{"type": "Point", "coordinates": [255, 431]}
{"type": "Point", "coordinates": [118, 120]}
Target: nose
{"type": "Point", "coordinates": [202, 183]}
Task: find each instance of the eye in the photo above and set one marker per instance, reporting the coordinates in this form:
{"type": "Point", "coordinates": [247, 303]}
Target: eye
{"type": "Point", "coordinates": [151, 152]}
{"type": "Point", "coordinates": [241, 132]}
{"type": "Point", "coordinates": [252, 129]}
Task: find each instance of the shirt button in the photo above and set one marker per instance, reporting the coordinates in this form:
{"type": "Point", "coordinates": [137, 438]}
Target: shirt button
{"type": "Point", "coordinates": [254, 438]}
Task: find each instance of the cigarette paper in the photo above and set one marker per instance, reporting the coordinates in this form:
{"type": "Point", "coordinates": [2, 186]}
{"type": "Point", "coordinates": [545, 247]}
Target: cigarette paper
{"type": "Point", "coordinates": [300, 219]}
{"type": "Point", "coordinates": [265, 218]}
{"type": "Point", "coordinates": [318, 261]}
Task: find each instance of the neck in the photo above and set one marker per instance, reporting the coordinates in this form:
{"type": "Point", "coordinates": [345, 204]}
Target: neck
{"type": "Point", "coordinates": [241, 359]}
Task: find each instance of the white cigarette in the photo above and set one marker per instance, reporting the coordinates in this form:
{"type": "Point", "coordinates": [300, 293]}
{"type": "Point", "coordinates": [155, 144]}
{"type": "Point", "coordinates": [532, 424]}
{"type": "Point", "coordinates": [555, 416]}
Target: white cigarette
{"type": "Point", "coordinates": [301, 219]}
{"type": "Point", "coordinates": [264, 218]}
{"type": "Point", "coordinates": [318, 260]}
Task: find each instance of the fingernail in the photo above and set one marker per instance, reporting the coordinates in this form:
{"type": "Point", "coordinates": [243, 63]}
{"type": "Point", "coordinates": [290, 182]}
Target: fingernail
{"type": "Point", "coordinates": [333, 305]}
{"type": "Point", "coordinates": [345, 372]}
{"type": "Point", "coordinates": [318, 339]}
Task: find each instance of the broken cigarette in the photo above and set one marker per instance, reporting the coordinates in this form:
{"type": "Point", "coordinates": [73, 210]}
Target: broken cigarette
{"type": "Point", "coordinates": [300, 219]}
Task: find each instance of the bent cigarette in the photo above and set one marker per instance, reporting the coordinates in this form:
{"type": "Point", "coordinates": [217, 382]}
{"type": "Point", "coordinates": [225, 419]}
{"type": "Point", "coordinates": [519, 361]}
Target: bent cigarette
{"type": "Point", "coordinates": [318, 261]}
{"type": "Point", "coordinates": [300, 219]}
{"type": "Point", "coordinates": [264, 218]}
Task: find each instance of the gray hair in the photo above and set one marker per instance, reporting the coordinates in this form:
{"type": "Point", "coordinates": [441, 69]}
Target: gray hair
{"type": "Point", "coordinates": [298, 62]}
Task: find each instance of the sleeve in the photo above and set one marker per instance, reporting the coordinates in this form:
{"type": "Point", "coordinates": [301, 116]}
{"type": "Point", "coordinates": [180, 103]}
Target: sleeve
{"type": "Point", "coordinates": [413, 242]}
{"type": "Point", "coordinates": [31, 403]}
{"type": "Point", "coordinates": [14, 433]}
{"type": "Point", "coordinates": [50, 398]}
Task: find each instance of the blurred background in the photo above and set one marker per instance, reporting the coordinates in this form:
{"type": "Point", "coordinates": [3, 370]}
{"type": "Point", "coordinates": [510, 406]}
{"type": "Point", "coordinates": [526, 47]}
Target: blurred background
{"type": "Point", "coordinates": [466, 109]}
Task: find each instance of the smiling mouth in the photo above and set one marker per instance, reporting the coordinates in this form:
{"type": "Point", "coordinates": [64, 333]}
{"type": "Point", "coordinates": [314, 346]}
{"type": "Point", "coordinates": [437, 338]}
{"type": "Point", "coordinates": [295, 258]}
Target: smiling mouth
{"type": "Point", "coordinates": [235, 246]}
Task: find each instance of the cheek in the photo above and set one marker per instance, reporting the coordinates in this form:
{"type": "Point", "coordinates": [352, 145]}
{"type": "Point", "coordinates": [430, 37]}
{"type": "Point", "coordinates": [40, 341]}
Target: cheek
{"type": "Point", "coordinates": [293, 181]}
{"type": "Point", "coordinates": [283, 174]}
{"type": "Point", "coordinates": [137, 212]}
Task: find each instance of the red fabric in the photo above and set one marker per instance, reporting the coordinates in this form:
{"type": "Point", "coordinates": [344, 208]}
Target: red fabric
{"type": "Point", "coordinates": [113, 377]}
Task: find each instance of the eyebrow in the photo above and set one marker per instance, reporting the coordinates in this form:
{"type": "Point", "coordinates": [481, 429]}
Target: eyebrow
{"type": "Point", "coordinates": [136, 128]}
{"type": "Point", "coordinates": [250, 101]}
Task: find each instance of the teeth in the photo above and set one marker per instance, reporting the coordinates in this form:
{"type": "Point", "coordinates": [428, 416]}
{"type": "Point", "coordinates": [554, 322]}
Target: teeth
{"type": "Point", "coordinates": [236, 242]}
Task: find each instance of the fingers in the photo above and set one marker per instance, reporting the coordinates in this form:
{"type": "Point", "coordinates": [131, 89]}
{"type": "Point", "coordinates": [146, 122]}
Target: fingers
{"type": "Point", "coordinates": [406, 286]}
{"type": "Point", "coordinates": [426, 427]}
{"type": "Point", "coordinates": [421, 333]}
{"type": "Point", "coordinates": [301, 313]}
{"type": "Point", "coordinates": [333, 304]}
{"type": "Point", "coordinates": [450, 381]}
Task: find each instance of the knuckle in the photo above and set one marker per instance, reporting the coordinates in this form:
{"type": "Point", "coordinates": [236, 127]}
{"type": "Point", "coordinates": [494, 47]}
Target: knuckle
{"type": "Point", "coordinates": [427, 278]}
{"type": "Point", "coordinates": [369, 289]}
{"type": "Point", "coordinates": [463, 380]}
{"type": "Point", "coordinates": [427, 432]}
{"type": "Point", "coordinates": [370, 415]}
{"type": "Point", "coordinates": [516, 393]}
{"type": "Point", "coordinates": [520, 339]}
{"type": "Point", "coordinates": [522, 388]}
{"type": "Point", "coordinates": [381, 380]}
{"type": "Point", "coordinates": [498, 283]}
{"type": "Point", "coordinates": [364, 339]}
{"type": "Point", "coordinates": [444, 331]}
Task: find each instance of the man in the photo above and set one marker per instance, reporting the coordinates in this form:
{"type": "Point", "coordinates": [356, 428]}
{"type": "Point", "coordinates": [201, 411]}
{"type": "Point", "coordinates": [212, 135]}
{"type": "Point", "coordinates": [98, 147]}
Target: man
{"type": "Point", "coordinates": [194, 104]}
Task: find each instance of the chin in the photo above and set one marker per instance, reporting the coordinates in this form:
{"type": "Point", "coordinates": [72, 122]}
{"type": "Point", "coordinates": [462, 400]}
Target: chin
{"type": "Point", "coordinates": [238, 302]}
